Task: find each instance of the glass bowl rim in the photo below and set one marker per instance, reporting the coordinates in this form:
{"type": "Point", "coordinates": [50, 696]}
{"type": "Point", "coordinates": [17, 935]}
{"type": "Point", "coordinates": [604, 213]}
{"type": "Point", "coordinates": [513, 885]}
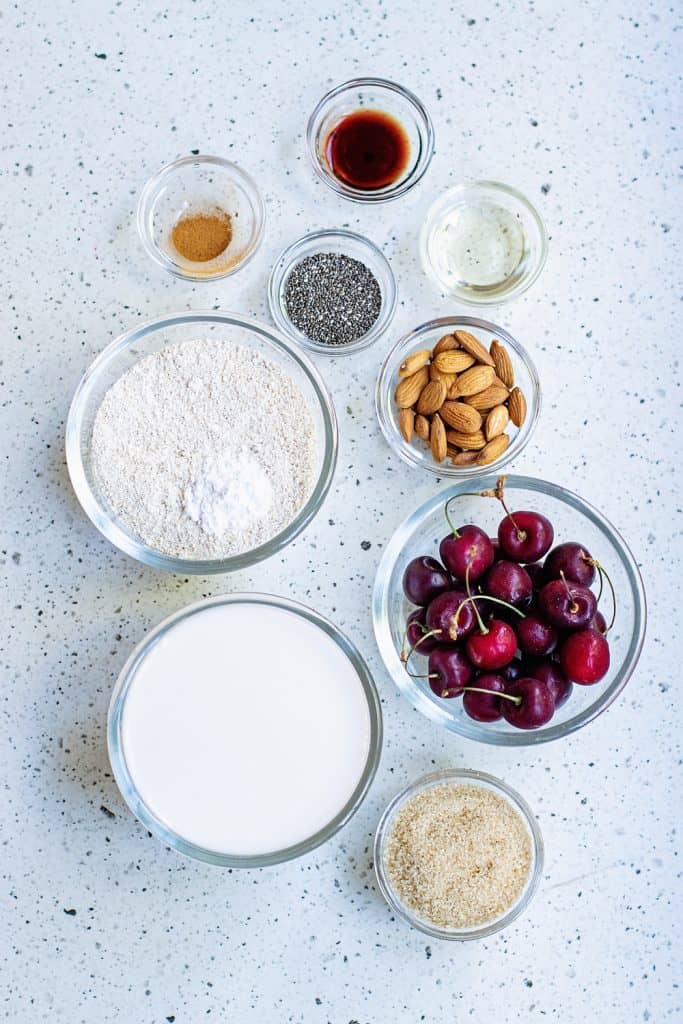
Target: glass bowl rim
{"type": "Point", "coordinates": [425, 131]}
{"type": "Point", "coordinates": [428, 781]}
{"type": "Point", "coordinates": [443, 201]}
{"type": "Point", "coordinates": [129, 791]}
{"type": "Point", "coordinates": [474, 730]}
{"type": "Point", "coordinates": [149, 191]}
{"type": "Point", "coordinates": [285, 263]}
{"type": "Point", "coordinates": [409, 453]}
{"type": "Point", "coordinates": [129, 545]}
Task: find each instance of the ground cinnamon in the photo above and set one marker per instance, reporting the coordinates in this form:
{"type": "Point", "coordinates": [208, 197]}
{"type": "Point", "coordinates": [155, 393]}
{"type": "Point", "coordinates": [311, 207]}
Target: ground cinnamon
{"type": "Point", "coordinates": [200, 237]}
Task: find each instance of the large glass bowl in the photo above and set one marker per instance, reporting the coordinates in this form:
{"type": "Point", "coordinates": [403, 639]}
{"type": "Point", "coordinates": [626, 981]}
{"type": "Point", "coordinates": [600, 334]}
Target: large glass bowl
{"type": "Point", "coordinates": [134, 345]}
{"type": "Point", "coordinates": [126, 782]}
{"type": "Point", "coordinates": [573, 519]}
{"type": "Point", "coordinates": [416, 452]}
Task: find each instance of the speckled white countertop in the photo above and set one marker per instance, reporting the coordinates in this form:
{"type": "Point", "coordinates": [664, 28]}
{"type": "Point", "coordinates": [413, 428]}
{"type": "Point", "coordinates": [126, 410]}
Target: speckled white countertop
{"type": "Point", "coordinates": [574, 103]}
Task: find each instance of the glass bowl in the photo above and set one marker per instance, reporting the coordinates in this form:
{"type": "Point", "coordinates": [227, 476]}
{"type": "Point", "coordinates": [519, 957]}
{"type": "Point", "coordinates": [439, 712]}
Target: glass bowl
{"type": "Point", "coordinates": [191, 185]}
{"type": "Point", "coordinates": [469, 203]}
{"type": "Point", "coordinates": [372, 94]}
{"type": "Point", "coordinates": [416, 453]}
{"type": "Point", "coordinates": [127, 785]}
{"type": "Point", "coordinates": [345, 243]}
{"type": "Point", "coordinates": [149, 337]}
{"type": "Point", "coordinates": [485, 781]}
{"type": "Point", "coordinates": [573, 519]}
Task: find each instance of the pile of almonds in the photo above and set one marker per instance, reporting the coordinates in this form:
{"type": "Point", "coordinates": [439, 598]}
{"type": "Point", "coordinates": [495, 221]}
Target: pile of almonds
{"type": "Point", "coordinates": [459, 399]}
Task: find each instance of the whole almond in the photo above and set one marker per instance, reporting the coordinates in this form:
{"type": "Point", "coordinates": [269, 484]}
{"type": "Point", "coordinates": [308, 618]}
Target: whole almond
{"type": "Point", "coordinates": [422, 427]}
{"type": "Point", "coordinates": [463, 458]}
{"type": "Point", "coordinates": [496, 422]}
{"type": "Point", "coordinates": [517, 407]}
{"type": "Point", "coordinates": [474, 347]}
{"type": "Point", "coordinates": [470, 441]}
{"type": "Point", "coordinates": [493, 450]}
{"type": "Point", "coordinates": [444, 344]}
{"type": "Point", "coordinates": [408, 390]}
{"type": "Point", "coordinates": [406, 423]}
{"type": "Point", "coordinates": [448, 379]}
{"type": "Point", "coordinates": [473, 381]}
{"type": "Point", "coordinates": [453, 362]}
{"type": "Point", "coordinates": [488, 398]}
{"type": "Point", "coordinates": [437, 439]}
{"type": "Point", "coordinates": [432, 397]}
{"type": "Point", "coordinates": [414, 362]}
{"type": "Point", "coordinates": [502, 363]}
{"type": "Point", "coordinates": [460, 417]}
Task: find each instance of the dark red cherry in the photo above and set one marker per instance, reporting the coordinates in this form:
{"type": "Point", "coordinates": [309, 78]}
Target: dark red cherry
{"type": "Point", "coordinates": [484, 707]}
{"type": "Point", "coordinates": [573, 560]}
{"type": "Point", "coordinates": [535, 636]}
{"type": "Point", "coordinates": [416, 628]}
{"type": "Point", "coordinates": [584, 657]}
{"type": "Point", "coordinates": [509, 582]}
{"type": "Point", "coordinates": [536, 705]}
{"type": "Point", "coordinates": [449, 672]}
{"type": "Point", "coordinates": [549, 673]}
{"type": "Point", "coordinates": [567, 605]}
{"type": "Point", "coordinates": [514, 670]}
{"type": "Point", "coordinates": [493, 648]}
{"type": "Point", "coordinates": [467, 546]}
{"type": "Point", "coordinates": [525, 536]}
{"type": "Point", "coordinates": [424, 579]}
{"type": "Point", "coordinates": [450, 616]}
{"type": "Point", "coordinates": [535, 570]}
{"type": "Point", "coordinates": [599, 622]}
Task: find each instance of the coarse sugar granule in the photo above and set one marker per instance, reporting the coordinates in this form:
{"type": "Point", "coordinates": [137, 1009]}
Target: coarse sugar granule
{"type": "Point", "coordinates": [332, 298]}
{"type": "Point", "coordinates": [458, 855]}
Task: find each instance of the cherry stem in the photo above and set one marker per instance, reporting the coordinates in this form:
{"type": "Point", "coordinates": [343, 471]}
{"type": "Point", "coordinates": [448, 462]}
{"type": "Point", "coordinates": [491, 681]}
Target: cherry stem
{"type": "Point", "coordinates": [425, 636]}
{"type": "Point", "coordinates": [448, 518]}
{"type": "Point", "coordinates": [494, 693]}
{"type": "Point", "coordinates": [500, 494]}
{"type": "Point", "coordinates": [573, 607]}
{"type": "Point", "coordinates": [603, 572]}
{"type": "Point", "coordinates": [485, 597]}
{"type": "Point", "coordinates": [482, 627]}
{"type": "Point", "coordinates": [466, 494]}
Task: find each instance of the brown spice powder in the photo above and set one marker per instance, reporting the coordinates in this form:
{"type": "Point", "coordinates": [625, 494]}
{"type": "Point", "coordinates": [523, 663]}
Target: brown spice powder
{"type": "Point", "coordinates": [200, 237]}
{"type": "Point", "coordinates": [458, 855]}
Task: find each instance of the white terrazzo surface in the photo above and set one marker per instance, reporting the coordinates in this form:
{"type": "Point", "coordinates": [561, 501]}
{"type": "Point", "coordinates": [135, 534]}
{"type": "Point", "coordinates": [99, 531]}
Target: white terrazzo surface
{"type": "Point", "coordinates": [575, 103]}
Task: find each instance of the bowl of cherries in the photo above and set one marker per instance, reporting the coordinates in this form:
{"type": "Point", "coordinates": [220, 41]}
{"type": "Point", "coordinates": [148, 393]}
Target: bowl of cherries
{"type": "Point", "coordinates": [509, 610]}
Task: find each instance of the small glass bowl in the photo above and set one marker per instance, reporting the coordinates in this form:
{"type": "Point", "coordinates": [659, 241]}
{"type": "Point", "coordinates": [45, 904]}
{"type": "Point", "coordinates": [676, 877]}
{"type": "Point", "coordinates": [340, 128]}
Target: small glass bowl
{"type": "Point", "coordinates": [477, 194]}
{"type": "Point", "coordinates": [191, 185]}
{"type": "Point", "coordinates": [157, 827]}
{"type": "Point", "coordinates": [485, 781]}
{"type": "Point", "coordinates": [416, 452]}
{"type": "Point", "coordinates": [128, 349]}
{"type": "Point", "coordinates": [345, 243]}
{"type": "Point", "coordinates": [573, 519]}
{"type": "Point", "coordinates": [372, 94]}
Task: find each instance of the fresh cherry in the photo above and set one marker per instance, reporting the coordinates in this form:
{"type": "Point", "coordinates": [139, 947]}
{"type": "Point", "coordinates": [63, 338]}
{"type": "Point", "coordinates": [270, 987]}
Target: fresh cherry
{"type": "Point", "coordinates": [599, 622]}
{"type": "Point", "coordinates": [513, 670]}
{"type": "Point", "coordinates": [525, 536]}
{"type": "Point", "coordinates": [535, 570]}
{"type": "Point", "coordinates": [467, 548]}
{"type": "Point", "coordinates": [567, 605]}
{"type": "Point", "coordinates": [584, 657]}
{"type": "Point", "coordinates": [509, 582]}
{"type": "Point", "coordinates": [549, 673]}
{"type": "Point", "coordinates": [493, 647]}
{"type": "Point", "coordinates": [534, 705]}
{"type": "Point", "coordinates": [449, 672]}
{"type": "Point", "coordinates": [535, 636]}
{"type": "Point", "coordinates": [484, 707]}
{"type": "Point", "coordinates": [416, 633]}
{"type": "Point", "coordinates": [573, 560]}
{"type": "Point", "coordinates": [451, 616]}
{"type": "Point", "coordinates": [424, 579]}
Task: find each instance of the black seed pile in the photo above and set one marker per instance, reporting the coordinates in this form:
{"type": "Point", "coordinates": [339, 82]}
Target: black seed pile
{"type": "Point", "coordinates": [332, 299]}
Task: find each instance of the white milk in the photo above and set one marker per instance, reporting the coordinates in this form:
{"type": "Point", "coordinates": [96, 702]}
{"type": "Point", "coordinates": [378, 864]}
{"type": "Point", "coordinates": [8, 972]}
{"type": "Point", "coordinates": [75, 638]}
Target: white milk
{"type": "Point", "coordinates": [245, 729]}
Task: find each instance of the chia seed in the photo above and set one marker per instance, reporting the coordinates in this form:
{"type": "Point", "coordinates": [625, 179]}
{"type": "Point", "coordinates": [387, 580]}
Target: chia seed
{"type": "Point", "coordinates": [332, 298]}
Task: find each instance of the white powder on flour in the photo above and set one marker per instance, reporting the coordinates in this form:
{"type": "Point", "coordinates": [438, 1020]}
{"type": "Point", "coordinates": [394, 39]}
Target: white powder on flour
{"type": "Point", "coordinates": [204, 449]}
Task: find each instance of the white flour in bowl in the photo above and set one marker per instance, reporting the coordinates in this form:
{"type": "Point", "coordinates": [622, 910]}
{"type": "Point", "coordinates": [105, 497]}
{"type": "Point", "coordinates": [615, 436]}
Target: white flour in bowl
{"type": "Point", "coordinates": [204, 449]}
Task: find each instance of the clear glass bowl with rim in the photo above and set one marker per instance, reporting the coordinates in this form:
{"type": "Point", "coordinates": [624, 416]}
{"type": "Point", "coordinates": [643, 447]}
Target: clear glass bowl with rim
{"type": "Point", "coordinates": [466, 777]}
{"type": "Point", "coordinates": [416, 452]}
{"type": "Point", "coordinates": [157, 827]}
{"type": "Point", "coordinates": [346, 243]}
{"type": "Point", "coordinates": [573, 519]}
{"type": "Point", "coordinates": [128, 349]}
{"type": "Point", "coordinates": [482, 202]}
{"type": "Point", "coordinates": [372, 94]}
{"type": "Point", "coordinates": [196, 184]}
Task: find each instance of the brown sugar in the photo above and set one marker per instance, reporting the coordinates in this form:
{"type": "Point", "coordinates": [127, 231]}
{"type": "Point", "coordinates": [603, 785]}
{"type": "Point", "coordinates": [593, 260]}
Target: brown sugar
{"type": "Point", "coordinates": [200, 237]}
